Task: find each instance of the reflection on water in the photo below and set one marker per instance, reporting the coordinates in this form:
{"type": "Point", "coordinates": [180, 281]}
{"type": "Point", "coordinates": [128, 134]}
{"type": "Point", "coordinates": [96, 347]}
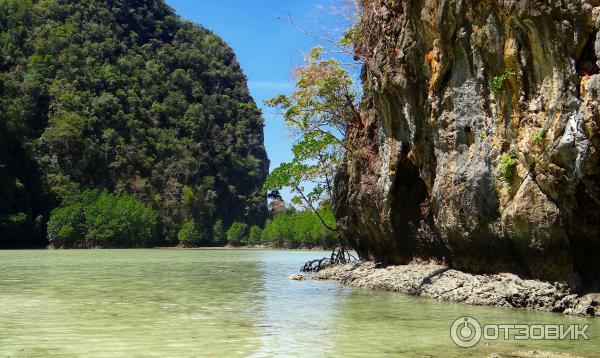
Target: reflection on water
{"type": "Point", "coordinates": [296, 314]}
{"type": "Point", "coordinates": [224, 303]}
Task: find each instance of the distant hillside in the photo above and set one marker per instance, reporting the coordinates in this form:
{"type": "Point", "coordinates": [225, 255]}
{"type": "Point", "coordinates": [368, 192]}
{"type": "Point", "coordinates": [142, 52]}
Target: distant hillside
{"type": "Point", "coordinates": [124, 96]}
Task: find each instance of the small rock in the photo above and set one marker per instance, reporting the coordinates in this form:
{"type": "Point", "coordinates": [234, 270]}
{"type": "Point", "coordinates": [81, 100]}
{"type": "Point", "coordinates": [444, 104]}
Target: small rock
{"type": "Point", "coordinates": [297, 277]}
{"type": "Point", "coordinates": [597, 46]}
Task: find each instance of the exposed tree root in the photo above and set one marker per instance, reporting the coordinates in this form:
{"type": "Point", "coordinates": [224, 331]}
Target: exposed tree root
{"type": "Point", "coordinates": [339, 256]}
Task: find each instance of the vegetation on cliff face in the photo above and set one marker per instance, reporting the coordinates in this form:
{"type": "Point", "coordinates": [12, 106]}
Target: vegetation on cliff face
{"type": "Point", "coordinates": [524, 79]}
{"type": "Point", "coordinates": [123, 96]}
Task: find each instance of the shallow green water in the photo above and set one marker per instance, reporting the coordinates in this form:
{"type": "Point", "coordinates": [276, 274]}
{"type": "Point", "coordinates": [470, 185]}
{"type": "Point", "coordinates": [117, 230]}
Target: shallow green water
{"type": "Point", "coordinates": [218, 303]}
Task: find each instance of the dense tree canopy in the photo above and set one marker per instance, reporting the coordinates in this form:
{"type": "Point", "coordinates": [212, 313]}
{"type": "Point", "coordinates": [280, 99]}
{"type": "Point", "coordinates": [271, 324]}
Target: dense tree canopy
{"type": "Point", "coordinates": [300, 229]}
{"type": "Point", "coordinates": [101, 219]}
{"type": "Point", "coordinates": [289, 228]}
{"type": "Point", "coordinates": [237, 234]}
{"type": "Point", "coordinates": [123, 95]}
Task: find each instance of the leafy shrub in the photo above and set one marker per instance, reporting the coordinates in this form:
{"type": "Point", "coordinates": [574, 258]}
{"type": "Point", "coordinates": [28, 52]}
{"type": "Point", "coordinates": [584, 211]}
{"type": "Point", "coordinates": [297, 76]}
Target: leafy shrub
{"type": "Point", "coordinates": [236, 235]}
{"type": "Point", "coordinates": [66, 227]}
{"type": "Point", "coordinates": [188, 235]}
{"type": "Point", "coordinates": [219, 234]}
{"type": "Point", "coordinates": [101, 219]}
{"type": "Point", "coordinates": [539, 135]}
{"type": "Point", "coordinates": [254, 237]}
{"type": "Point", "coordinates": [498, 81]}
{"type": "Point", "coordinates": [300, 229]}
{"type": "Point", "coordinates": [508, 166]}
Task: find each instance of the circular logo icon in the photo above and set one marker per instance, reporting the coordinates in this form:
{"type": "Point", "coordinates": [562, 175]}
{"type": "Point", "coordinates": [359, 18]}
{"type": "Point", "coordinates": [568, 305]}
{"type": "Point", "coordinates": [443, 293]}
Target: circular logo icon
{"type": "Point", "coordinates": [465, 332]}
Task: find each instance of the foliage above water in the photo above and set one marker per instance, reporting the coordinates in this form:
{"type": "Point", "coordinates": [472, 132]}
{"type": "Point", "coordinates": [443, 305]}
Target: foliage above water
{"type": "Point", "coordinates": [219, 233]}
{"type": "Point", "coordinates": [301, 229]}
{"type": "Point", "coordinates": [125, 96]}
{"type": "Point", "coordinates": [317, 112]}
{"type": "Point", "coordinates": [286, 229]}
{"type": "Point", "coordinates": [188, 235]}
{"type": "Point", "coordinates": [237, 234]}
{"type": "Point", "coordinates": [100, 219]}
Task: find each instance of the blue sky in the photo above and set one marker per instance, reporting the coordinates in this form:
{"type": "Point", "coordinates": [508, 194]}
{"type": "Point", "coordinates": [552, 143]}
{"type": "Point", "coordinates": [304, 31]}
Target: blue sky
{"type": "Point", "coordinates": [267, 46]}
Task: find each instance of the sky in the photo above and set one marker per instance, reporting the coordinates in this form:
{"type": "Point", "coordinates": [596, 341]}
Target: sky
{"type": "Point", "coordinates": [268, 48]}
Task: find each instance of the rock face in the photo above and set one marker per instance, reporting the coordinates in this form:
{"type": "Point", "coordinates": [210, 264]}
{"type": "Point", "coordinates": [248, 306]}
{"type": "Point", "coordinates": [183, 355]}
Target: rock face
{"type": "Point", "coordinates": [480, 137]}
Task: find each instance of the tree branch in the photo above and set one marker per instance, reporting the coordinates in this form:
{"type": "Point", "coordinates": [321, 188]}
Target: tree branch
{"type": "Point", "coordinates": [311, 207]}
{"type": "Point", "coordinates": [335, 44]}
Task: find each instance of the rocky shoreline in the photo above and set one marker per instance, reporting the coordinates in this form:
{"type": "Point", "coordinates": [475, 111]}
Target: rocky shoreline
{"type": "Point", "coordinates": [440, 282]}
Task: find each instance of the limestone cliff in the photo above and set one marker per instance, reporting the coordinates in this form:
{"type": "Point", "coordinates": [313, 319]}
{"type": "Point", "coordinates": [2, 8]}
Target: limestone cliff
{"type": "Point", "coordinates": [480, 137]}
